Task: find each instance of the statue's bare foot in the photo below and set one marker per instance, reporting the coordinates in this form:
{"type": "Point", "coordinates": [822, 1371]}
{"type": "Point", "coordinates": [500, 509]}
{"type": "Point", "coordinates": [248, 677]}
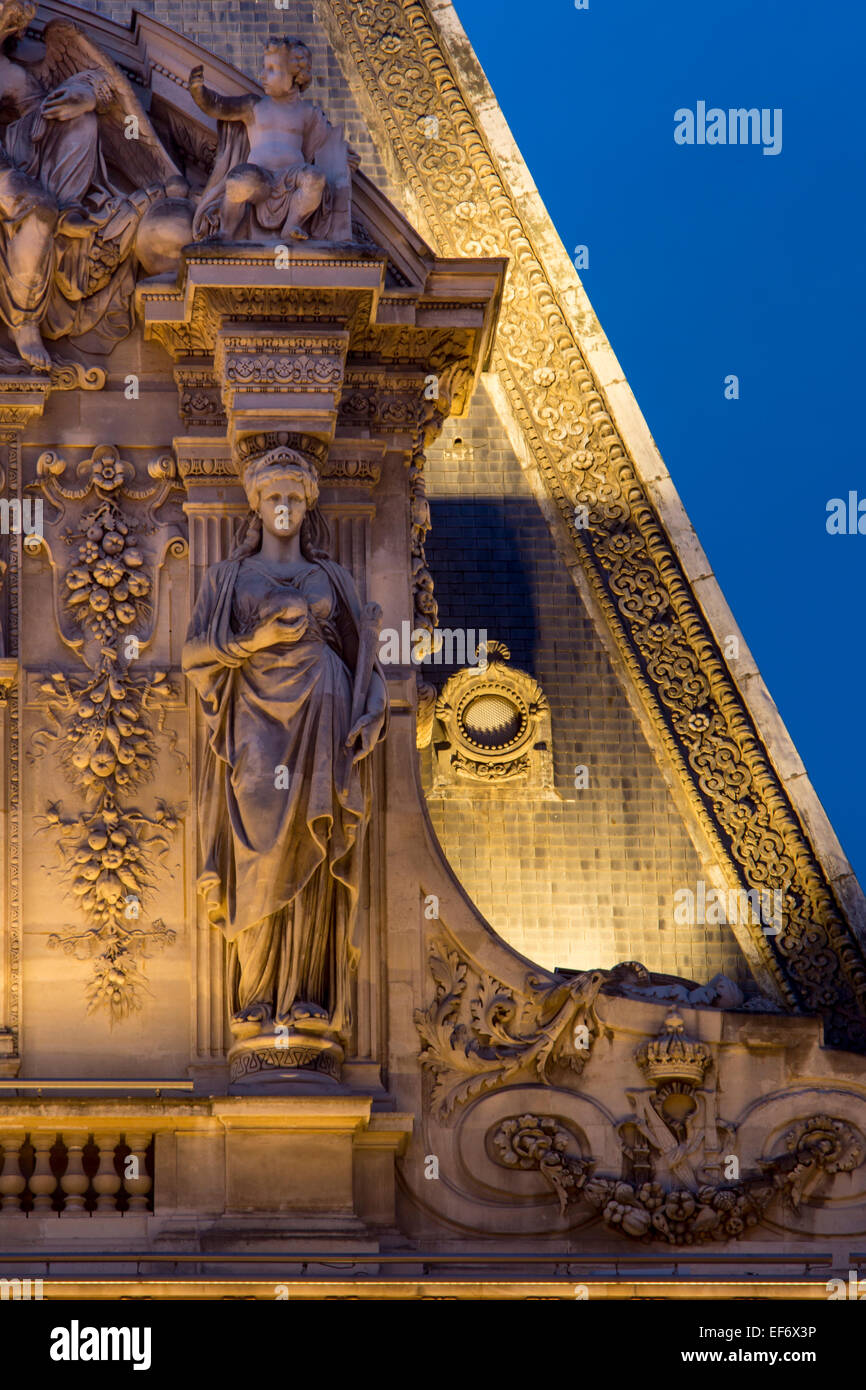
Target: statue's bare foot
{"type": "Point", "coordinates": [297, 233]}
{"type": "Point", "coordinates": [28, 341]}
{"type": "Point", "coordinates": [250, 1021]}
{"type": "Point", "coordinates": [307, 1018]}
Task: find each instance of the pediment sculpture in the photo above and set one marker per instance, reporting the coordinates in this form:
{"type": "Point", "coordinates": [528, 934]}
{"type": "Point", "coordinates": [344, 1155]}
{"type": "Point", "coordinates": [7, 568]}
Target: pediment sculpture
{"type": "Point", "coordinates": [281, 169]}
{"type": "Point", "coordinates": [91, 199]}
{"type": "Point", "coordinates": [80, 168]}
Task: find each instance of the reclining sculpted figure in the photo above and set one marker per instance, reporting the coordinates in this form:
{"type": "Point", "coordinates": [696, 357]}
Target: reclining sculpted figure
{"type": "Point", "coordinates": [73, 189]}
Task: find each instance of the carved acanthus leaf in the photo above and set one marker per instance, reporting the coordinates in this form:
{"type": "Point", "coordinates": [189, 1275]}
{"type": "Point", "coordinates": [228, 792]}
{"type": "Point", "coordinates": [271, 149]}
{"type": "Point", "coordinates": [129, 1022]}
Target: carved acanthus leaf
{"type": "Point", "coordinates": [468, 1049]}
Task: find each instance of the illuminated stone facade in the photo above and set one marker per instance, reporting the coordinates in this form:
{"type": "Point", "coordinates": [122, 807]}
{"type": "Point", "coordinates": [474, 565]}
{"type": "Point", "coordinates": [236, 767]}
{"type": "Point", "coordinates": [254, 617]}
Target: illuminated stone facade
{"type": "Point", "coordinates": [456, 976]}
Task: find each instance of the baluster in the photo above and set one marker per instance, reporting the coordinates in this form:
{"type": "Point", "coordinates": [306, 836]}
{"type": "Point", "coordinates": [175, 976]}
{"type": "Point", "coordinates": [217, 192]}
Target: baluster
{"type": "Point", "coordinates": [137, 1187]}
{"type": "Point", "coordinates": [12, 1181]}
{"type": "Point", "coordinates": [106, 1182]}
{"type": "Point", "coordinates": [43, 1183]}
{"type": "Point", "coordinates": [75, 1182]}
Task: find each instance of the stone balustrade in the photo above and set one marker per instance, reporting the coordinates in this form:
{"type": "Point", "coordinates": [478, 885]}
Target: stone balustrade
{"type": "Point", "coordinates": [75, 1174]}
{"type": "Point", "coordinates": [323, 1164]}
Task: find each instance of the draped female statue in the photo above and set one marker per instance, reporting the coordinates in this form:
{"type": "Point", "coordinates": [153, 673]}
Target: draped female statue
{"type": "Point", "coordinates": [283, 659]}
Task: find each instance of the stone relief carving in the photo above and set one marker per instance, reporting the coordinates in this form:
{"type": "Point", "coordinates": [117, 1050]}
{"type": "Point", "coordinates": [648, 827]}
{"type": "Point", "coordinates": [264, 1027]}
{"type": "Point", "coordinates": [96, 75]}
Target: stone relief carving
{"type": "Point", "coordinates": [441, 388]}
{"type": "Point", "coordinates": [815, 962]}
{"type": "Point", "coordinates": [632, 980]}
{"type": "Point", "coordinates": [674, 1186]}
{"type": "Point", "coordinates": [552, 1023]}
{"type": "Point", "coordinates": [64, 375]}
{"type": "Point", "coordinates": [199, 396]}
{"type": "Point", "coordinates": [495, 726]}
{"type": "Point", "coordinates": [283, 659]}
{"type": "Point", "coordinates": [281, 169]}
{"type": "Point", "coordinates": [79, 202]}
{"type": "Point", "coordinates": [104, 724]}
{"type": "Point", "coordinates": [675, 1134]}
{"type": "Point", "coordinates": [198, 337]}
{"type": "Point", "coordinates": [478, 1038]}
{"type": "Point", "coordinates": [817, 1149]}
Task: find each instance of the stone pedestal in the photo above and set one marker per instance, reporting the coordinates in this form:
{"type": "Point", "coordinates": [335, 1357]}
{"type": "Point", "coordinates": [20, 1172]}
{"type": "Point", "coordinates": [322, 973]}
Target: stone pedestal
{"type": "Point", "coordinates": [287, 1059]}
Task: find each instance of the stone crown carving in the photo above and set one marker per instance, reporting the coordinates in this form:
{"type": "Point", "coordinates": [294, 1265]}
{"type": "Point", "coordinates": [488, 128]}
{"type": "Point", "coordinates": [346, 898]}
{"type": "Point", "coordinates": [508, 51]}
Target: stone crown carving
{"type": "Point", "coordinates": [673, 1057]}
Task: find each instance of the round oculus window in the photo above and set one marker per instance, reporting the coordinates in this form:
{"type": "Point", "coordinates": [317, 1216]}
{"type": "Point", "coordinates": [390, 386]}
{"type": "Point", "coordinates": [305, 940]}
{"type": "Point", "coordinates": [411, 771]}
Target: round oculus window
{"type": "Point", "coordinates": [492, 720]}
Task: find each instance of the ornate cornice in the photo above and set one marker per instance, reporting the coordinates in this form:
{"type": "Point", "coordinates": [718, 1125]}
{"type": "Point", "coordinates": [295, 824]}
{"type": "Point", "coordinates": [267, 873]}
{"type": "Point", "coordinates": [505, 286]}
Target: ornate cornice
{"type": "Point", "coordinates": [631, 566]}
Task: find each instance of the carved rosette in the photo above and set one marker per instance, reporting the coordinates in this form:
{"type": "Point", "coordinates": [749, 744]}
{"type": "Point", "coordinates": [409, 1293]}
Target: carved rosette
{"type": "Point", "coordinates": [540, 1143]}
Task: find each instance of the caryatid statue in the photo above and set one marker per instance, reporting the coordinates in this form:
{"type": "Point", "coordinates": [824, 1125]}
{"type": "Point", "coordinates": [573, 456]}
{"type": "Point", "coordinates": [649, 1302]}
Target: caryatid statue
{"type": "Point", "coordinates": [74, 191]}
{"type": "Point", "coordinates": [283, 658]}
{"type": "Point", "coordinates": [281, 168]}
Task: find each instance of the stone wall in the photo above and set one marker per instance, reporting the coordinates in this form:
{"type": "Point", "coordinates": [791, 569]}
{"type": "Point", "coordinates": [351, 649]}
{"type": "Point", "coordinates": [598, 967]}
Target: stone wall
{"type": "Point", "coordinates": [588, 880]}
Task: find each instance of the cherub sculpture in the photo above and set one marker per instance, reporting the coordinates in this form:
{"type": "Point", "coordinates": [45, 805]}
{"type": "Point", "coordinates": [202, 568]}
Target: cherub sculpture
{"type": "Point", "coordinates": [73, 189]}
{"type": "Point", "coordinates": [281, 169]}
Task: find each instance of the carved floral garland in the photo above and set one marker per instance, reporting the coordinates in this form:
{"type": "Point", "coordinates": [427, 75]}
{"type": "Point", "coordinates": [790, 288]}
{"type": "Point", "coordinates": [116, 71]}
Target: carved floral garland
{"type": "Point", "coordinates": [817, 1148]}
{"type": "Point", "coordinates": [104, 726]}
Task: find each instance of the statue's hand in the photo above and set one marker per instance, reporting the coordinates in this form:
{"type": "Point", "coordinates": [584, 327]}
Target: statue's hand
{"type": "Point", "coordinates": [367, 728]}
{"type": "Point", "coordinates": [280, 627]}
{"type": "Point", "coordinates": [69, 100]}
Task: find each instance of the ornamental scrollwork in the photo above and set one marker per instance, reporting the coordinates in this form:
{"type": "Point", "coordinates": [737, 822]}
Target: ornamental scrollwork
{"type": "Point", "coordinates": [478, 1037]}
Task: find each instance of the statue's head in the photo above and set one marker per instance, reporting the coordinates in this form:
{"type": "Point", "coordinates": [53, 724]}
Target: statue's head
{"type": "Point", "coordinates": [282, 488]}
{"type": "Point", "coordinates": [287, 64]}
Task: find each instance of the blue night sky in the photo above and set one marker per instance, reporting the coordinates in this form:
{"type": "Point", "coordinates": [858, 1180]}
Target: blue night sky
{"type": "Point", "coordinates": [707, 261]}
